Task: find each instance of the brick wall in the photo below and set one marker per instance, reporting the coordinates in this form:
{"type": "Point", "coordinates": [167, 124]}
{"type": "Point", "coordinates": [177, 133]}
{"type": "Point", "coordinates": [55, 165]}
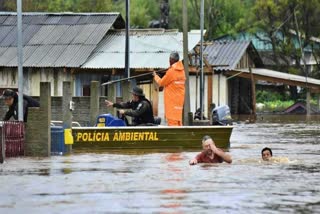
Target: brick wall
{"type": "Point", "coordinates": [81, 113]}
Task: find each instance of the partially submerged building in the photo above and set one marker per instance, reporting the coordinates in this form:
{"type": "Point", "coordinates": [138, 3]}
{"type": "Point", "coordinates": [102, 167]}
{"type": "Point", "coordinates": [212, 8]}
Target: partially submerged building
{"type": "Point", "coordinates": [55, 46]}
{"type": "Point", "coordinates": [232, 71]}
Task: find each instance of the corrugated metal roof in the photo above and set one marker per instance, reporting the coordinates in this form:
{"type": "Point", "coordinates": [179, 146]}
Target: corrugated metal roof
{"type": "Point", "coordinates": [69, 20]}
{"type": "Point", "coordinates": [81, 55]}
{"type": "Point", "coordinates": [2, 50]}
{"type": "Point", "coordinates": [90, 19]}
{"type": "Point", "coordinates": [65, 57]}
{"type": "Point", "coordinates": [4, 31]}
{"type": "Point", "coordinates": [38, 19]}
{"type": "Point", "coordinates": [10, 38]}
{"type": "Point", "coordinates": [54, 39]}
{"type": "Point", "coordinates": [41, 35]}
{"type": "Point", "coordinates": [10, 20]}
{"type": "Point", "coordinates": [69, 35]}
{"type": "Point", "coordinates": [26, 19]}
{"type": "Point", "coordinates": [96, 36]}
{"type": "Point", "coordinates": [55, 34]}
{"type": "Point", "coordinates": [27, 52]}
{"type": "Point", "coordinates": [84, 34]}
{"type": "Point", "coordinates": [2, 19]}
{"type": "Point", "coordinates": [225, 53]}
{"type": "Point", "coordinates": [52, 56]}
{"type": "Point", "coordinates": [37, 55]}
{"type": "Point", "coordinates": [148, 49]}
{"type": "Point", "coordinates": [8, 55]}
{"type": "Point", "coordinates": [29, 32]}
{"type": "Point", "coordinates": [281, 75]}
{"type": "Point", "coordinates": [52, 20]}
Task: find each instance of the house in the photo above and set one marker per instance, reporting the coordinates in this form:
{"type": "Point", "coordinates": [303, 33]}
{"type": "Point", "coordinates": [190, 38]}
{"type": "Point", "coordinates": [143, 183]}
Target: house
{"type": "Point", "coordinates": [236, 67]}
{"type": "Point", "coordinates": [300, 108]}
{"type": "Point", "coordinates": [261, 41]}
{"type": "Point", "coordinates": [226, 56]}
{"type": "Point", "coordinates": [55, 46]}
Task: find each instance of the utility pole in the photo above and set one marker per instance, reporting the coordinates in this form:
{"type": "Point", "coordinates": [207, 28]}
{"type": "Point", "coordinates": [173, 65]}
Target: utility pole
{"type": "Point", "coordinates": [127, 55]}
{"type": "Point", "coordinates": [201, 60]}
{"type": "Point", "coordinates": [186, 108]}
{"type": "Point", "coordinates": [20, 60]}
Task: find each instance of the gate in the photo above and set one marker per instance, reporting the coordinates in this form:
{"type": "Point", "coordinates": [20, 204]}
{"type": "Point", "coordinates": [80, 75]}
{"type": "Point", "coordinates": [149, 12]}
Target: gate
{"type": "Point", "coordinates": [12, 139]}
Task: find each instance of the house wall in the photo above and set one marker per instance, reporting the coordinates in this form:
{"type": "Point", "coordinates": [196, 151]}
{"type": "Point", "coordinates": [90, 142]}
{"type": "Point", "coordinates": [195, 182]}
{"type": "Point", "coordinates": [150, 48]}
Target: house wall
{"type": "Point", "coordinates": [195, 94]}
{"type": "Point", "coordinates": [220, 95]}
{"type": "Point", "coordinates": [32, 78]}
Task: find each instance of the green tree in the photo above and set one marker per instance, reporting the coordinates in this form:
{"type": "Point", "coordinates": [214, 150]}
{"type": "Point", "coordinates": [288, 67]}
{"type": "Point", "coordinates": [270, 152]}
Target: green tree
{"type": "Point", "coordinates": [220, 17]}
{"type": "Point", "coordinates": [284, 23]}
{"type": "Point", "coordinates": [141, 11]}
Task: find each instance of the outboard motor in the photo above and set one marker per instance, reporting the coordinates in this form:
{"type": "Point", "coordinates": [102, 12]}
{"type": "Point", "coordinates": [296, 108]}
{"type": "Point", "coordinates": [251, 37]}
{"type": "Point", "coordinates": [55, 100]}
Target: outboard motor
{"type": "Point", "coordinates": [109, 120]}
{"type": "Point", "coordinates": [157, 120]}
{"type": "Point", "coordinates": [221, 116]}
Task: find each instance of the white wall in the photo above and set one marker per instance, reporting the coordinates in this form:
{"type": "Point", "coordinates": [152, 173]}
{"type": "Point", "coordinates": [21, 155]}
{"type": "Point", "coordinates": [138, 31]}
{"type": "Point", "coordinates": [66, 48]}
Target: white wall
{"type": "Point", "coordinates": [56, 77]}
{"type": "Point", "coordinates": [221, 99]}
{"type": "Point", "coordinates": [161, 108]}
{"type": "Point", "coordinates": [195, 94]}
{"type": "Point", "coordinates": [32, 79]}
{"type": "Point", "coordinates": [8, 78]}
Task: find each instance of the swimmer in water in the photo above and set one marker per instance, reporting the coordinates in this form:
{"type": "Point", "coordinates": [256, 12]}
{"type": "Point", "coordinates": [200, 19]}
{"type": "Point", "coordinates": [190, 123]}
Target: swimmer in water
{"type": "Point", "coordinates": [266, 154]}
{"type": "Point", "coordinates": [210, 153]}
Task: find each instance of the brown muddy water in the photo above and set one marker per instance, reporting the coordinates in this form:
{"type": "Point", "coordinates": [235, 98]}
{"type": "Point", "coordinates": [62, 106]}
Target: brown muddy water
{"type": "Point", "coordinates": [165, 183]}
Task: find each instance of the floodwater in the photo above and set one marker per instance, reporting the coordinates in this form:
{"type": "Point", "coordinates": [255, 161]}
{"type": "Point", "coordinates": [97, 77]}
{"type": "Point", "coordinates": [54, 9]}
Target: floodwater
{"type": "Point", "coordinates": [165, 183]}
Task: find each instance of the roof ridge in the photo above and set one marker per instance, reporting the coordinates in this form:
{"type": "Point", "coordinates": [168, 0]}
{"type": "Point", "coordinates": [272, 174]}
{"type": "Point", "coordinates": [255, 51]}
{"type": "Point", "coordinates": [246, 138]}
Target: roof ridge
{"type": "Point", "coordinates": [2, 13]}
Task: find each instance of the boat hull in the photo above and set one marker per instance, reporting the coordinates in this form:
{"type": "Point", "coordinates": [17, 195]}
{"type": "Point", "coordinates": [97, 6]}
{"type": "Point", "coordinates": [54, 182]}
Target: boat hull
{"type": "Point", "coordinates": [159, 138]}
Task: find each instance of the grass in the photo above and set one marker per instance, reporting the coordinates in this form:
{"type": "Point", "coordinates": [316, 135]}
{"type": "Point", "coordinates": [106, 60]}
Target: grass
{"type": "Point", "coordinates": [274, 106]}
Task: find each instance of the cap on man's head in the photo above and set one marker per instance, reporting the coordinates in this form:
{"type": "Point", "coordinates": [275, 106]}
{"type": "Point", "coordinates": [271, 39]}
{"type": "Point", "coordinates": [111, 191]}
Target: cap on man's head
{"type": "Point", "coordinates": [8, 93]}
{"type": "Point", "coordinates": [137, 91]}
{"type": "Point", "coordinates": [175, 56]}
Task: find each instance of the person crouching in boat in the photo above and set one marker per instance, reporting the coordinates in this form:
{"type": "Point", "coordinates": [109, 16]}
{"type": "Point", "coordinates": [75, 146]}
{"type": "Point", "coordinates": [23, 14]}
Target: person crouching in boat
{"type": "Point", "coordinates": [210, 153]}
{"type": "Point", "coordinates": [139, 108]}
{"type": "Point", "coordinates": [174, 89]}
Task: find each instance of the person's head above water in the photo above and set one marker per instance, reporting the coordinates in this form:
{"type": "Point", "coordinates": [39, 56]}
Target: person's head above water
{"type": "Point", "coordinates": [266, 153]}
{"type": "Point", "coordinates": [206, 144]}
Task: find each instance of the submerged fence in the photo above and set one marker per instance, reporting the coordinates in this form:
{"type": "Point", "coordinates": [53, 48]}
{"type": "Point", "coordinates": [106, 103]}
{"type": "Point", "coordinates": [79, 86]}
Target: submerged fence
{"type": "Point", "coordinates": [12, 139]}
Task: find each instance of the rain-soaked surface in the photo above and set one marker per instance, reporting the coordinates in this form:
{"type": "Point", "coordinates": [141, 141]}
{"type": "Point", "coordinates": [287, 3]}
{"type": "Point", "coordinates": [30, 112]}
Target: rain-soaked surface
{"type": "Point", "coordinates": [165, 183]}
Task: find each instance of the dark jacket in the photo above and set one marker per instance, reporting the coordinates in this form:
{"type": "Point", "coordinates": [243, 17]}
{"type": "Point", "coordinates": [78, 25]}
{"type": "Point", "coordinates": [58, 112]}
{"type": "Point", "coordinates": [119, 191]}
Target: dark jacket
{"type": "Point", "coordinates": [13, 109]}
{"type": "Point", "coordinates": [141, 111]}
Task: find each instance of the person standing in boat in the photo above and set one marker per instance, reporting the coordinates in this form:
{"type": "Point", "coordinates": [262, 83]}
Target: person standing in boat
{"type": "Point", "coordinates": [11, 100]}
{"type": "Point", "coordinates": [139, 108]}
{"type": "Point", "coordinates": [210, 153]}
{"type": "Point", "coordinates": [174, 89]}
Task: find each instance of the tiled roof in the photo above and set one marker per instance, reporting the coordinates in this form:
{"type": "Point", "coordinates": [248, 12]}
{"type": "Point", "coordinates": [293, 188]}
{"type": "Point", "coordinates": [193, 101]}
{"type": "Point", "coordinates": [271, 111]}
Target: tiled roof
{"type": "Point", "coordinates": [54, 39]}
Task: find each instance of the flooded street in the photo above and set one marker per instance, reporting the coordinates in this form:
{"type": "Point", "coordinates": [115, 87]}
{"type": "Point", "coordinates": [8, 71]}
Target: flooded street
{"type": "Point", "coordinates": [165, 183]}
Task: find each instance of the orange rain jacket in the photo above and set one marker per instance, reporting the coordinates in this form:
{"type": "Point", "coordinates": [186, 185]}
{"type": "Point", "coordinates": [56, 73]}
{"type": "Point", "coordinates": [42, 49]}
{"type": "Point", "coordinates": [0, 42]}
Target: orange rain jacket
{"type": "Point", "coordinates": [174, 89]}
